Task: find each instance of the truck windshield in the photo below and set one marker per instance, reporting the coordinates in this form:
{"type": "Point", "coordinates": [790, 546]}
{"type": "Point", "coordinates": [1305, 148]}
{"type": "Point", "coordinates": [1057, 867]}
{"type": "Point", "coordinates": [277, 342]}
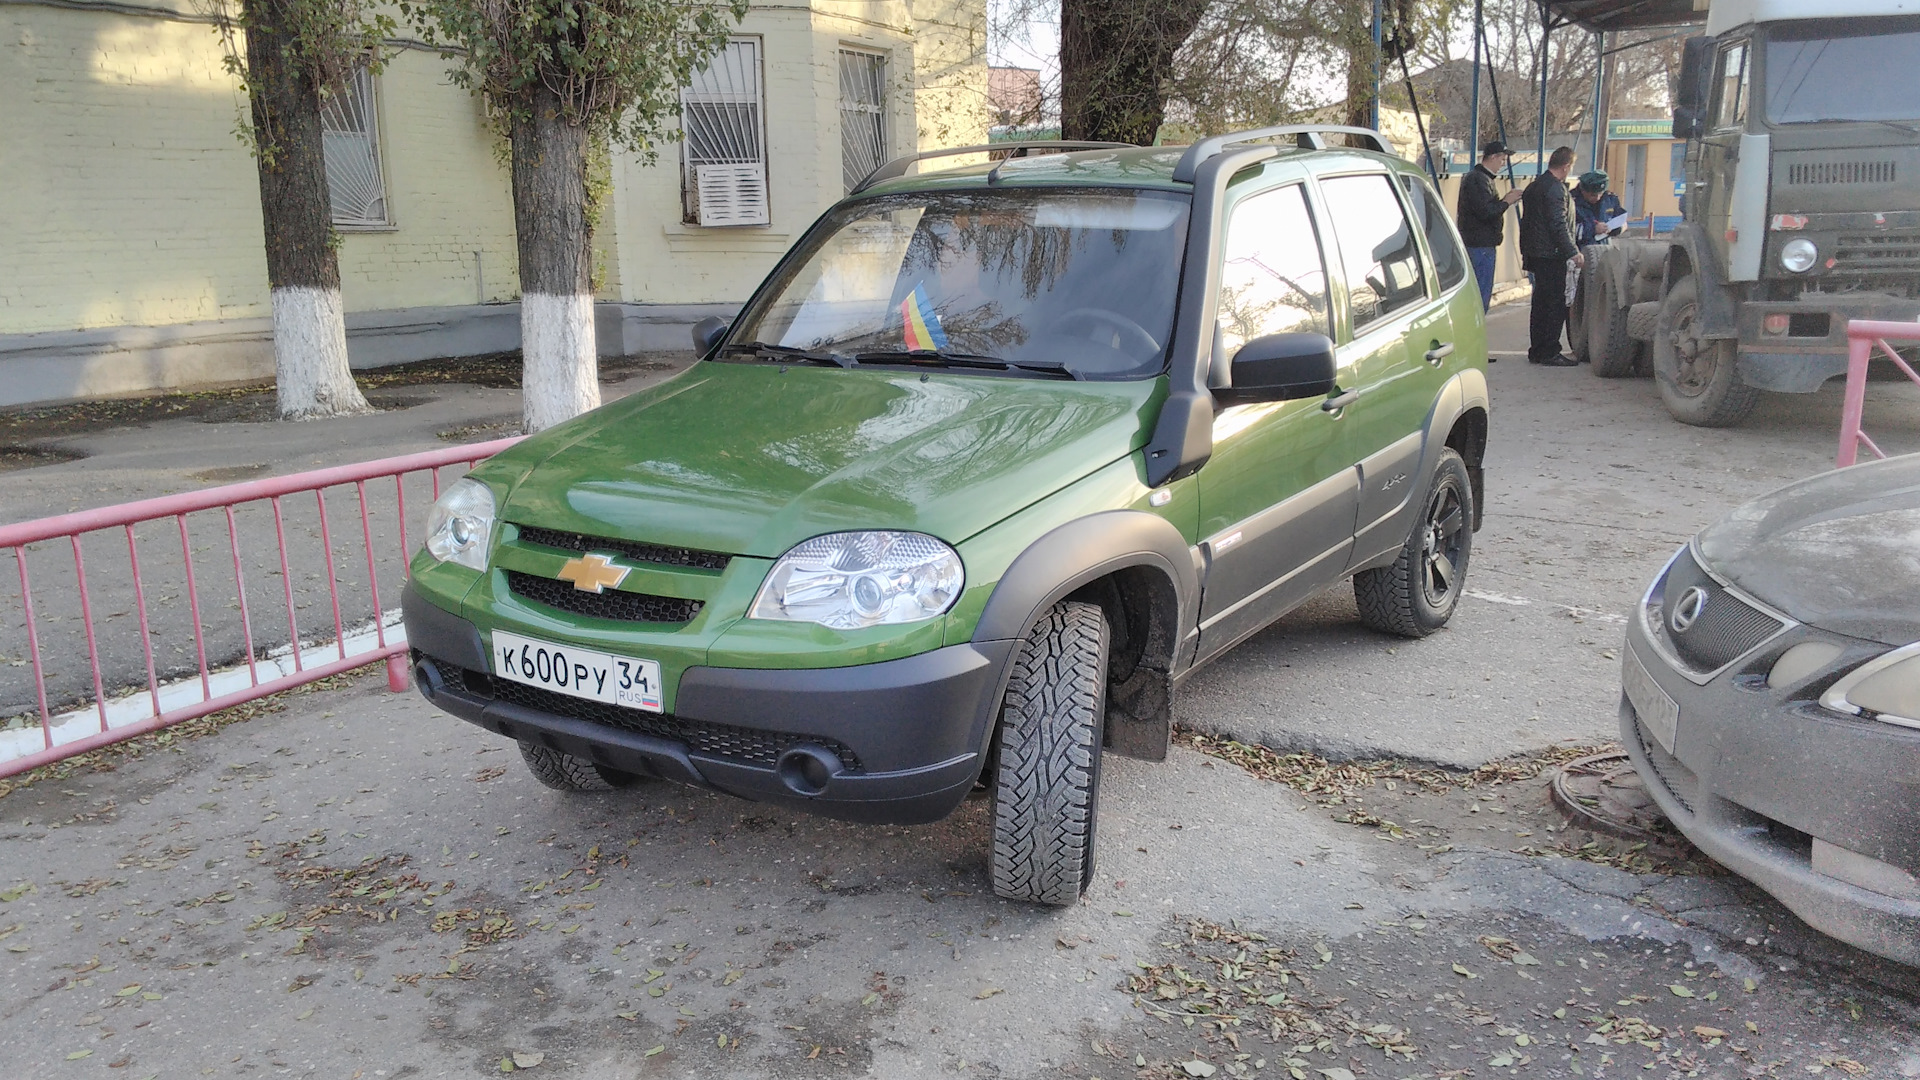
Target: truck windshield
{"type": "Point", "coordinates": [1860, 69]}
{"type": "Point", "coordinates": [1022, 282]}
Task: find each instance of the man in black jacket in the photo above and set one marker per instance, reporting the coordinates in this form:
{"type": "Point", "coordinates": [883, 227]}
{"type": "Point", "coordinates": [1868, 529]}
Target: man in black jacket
{"type": "Point", "coordinates": [1546, 250]}
{"type": "Point", "coordinates": [1482, 214]}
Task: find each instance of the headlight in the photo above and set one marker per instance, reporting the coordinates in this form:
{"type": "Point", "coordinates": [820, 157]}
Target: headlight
{"type": "Point", "coordinates": [857, 579]}
{"type": "Point", "coordinates": [1798, 254]}
{"type": "Point", "coordinates": [1887, 686]}
{"type": "Point", "coordinates": [460, 523]}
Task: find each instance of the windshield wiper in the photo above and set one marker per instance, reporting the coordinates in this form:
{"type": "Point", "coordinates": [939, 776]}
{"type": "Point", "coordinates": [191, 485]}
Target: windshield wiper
{"type": "Point", "coordinates": [945, 359]}
{"type": "Point", "coordinates": [789, 352]}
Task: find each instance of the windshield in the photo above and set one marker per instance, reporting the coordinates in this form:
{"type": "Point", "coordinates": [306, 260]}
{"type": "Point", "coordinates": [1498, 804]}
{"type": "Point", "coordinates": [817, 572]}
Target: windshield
{"type": "Point", "coordinates": [1860, 69]}
{"type": "Point", "coordinates": [1076, 281]}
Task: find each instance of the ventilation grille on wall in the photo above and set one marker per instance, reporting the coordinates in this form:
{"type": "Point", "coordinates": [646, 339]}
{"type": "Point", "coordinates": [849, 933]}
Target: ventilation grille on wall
{"type": "Point", "coordinates": [1841, 172]}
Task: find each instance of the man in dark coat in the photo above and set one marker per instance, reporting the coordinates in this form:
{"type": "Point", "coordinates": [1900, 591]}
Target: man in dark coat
{"type": "Point", "coordinates": [1547, 251]}
{"type": "Point", "coordinates": [1482, 213]}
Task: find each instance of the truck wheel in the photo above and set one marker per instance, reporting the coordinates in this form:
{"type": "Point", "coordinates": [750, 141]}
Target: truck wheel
{"type": "Point", "coordinates": [1697, 380]}
{"type": "Point", "coordinates": [1578, 311]}
{"type": "Point", "coordinates": [564, 772]}
{"type": "Point", "coordinates": [1417, 594]}
{"type": "Point", "coordinates": [1612, 349]}
{"type": "Point", "coordinates": [1047, 775]}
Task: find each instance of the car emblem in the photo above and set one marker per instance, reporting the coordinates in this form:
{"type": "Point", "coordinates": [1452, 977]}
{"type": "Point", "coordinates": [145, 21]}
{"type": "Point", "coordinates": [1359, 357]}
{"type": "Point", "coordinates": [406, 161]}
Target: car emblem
{"type": "Point", "coordinates": [592, 572]}
{"type": "Point", "coordinates": [1692, 603]}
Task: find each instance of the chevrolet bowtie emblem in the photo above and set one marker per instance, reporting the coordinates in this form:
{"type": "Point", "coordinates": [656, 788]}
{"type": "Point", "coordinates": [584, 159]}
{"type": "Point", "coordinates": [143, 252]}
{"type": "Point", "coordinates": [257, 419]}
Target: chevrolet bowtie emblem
{"type": "Point", "coordinates": [592, 572]}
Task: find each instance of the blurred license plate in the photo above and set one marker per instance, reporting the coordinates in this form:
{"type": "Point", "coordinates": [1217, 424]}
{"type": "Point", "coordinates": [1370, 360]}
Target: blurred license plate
{"type": "Point", "coordinates": [581, 673]}
{"type": "Point", "coordinates": [1658, 711]}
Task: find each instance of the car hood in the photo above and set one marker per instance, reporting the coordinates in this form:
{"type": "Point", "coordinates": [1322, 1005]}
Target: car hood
{"type": "Point", "coordinates": [1840, 551]}
{"type": "Point", "coordinates": [752, 458]}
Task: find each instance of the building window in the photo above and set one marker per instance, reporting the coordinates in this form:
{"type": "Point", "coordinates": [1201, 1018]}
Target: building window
{"type": "Point", "coordinates": [723, 150]}
{"type": "Point", "coordinates": [350, 140]}
{"type": "Point", "coordinates": [863, 114]}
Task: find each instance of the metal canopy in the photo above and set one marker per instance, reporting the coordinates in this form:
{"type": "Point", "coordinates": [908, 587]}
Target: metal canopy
{"type": "Point", "coordinates": [1602, 15]}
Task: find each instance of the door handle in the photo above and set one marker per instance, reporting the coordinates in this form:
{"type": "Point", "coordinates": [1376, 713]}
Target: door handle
{"type": "Point", "coordinates": [1439, 353]}
{"type": "Point", "coordinates": [1340, 400]}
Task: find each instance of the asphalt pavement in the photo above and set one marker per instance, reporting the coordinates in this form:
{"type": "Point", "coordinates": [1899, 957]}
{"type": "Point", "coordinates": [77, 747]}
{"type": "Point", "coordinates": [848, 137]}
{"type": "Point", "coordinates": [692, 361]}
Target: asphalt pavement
{"type": "Point", "coordinates": [359, 886]}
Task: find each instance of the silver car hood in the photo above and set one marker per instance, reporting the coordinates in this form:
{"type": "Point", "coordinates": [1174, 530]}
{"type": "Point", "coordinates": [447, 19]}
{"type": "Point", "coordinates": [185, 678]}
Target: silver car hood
{"type": "Point", "coordinates": [1840, 551]}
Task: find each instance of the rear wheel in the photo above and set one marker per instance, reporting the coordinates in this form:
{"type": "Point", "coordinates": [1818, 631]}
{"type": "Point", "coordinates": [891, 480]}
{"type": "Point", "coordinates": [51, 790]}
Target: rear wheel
{"type": "Point", "coordinates": [565, 772]}
{"type": "Point", "coordinates": [1579, 308]}
{"type": "Point", "coordinates": [1614, 352]}
{"type": "Point", "coordinates": [1696, 376]}
{"type": "Point", "coordinates": [1416, 595]}
{"type": "Point", "coordinates": [1046, 781]}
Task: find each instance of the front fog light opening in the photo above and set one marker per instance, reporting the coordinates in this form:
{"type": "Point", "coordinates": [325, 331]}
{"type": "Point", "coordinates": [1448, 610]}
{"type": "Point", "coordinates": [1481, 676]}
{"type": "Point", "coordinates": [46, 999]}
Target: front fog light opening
{"type": "Point", "coordinates": [848, 581]}
{"type": "Point", "coordinates": [460, 523]}
{"type": "Point", "coordinates": [1886, 687]}
{"type": "Point", "coordinates": [1801, 661]}
{"type": "Point", "coordinates": [1798, 254]}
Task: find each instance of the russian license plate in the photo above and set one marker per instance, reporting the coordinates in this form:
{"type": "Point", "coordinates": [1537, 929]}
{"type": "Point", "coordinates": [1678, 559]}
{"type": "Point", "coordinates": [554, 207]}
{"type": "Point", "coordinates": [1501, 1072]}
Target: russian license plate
{"type": "Point", "coordinates": [1657, 710]}
{"type": "Point", "coordinates": [581, 673]}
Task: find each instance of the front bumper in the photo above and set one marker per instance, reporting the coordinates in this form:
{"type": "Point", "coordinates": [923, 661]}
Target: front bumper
{"type": "Point", "coordinates": [902, 741]}
{"type": "Point", "coordinates": [1776, 789]}
{"type": "Point", "coordinates": [1813, 348]}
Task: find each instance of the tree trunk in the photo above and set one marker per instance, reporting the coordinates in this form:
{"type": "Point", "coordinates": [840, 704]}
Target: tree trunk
{"type": "Point", "coordinates": [1356, 33]}
{"type": "Point", "coordinates": [311, 376]}
{"type": "Point", "coordinates": [1115, 59]}
{"type": "Point", "coordinates": [559, 369]}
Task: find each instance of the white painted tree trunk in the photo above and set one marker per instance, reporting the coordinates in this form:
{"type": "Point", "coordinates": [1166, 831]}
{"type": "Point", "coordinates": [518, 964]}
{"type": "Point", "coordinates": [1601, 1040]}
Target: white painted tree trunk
{"type": "Point", "coordinates": [311, 375]}
{"type": "Point", "coordinates": [560, 376]}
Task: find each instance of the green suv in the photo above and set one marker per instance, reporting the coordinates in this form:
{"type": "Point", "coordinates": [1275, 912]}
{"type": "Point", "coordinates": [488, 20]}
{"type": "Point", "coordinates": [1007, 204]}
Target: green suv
{"type": "Point", "coordinates": [994, 459]}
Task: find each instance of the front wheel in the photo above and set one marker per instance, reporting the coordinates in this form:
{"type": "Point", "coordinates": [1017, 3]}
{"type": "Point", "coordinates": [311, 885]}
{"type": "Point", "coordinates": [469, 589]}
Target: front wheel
{"type": "Point", "coordinates": [1696, 376]}
{"type": "Point", "coordinates": [1416, 595]}
{"type": "Point", "coordinates": [1046, 782]}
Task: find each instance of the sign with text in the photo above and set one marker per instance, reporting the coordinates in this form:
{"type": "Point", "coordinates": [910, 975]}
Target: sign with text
{"type": "Point", "coordinates": [1640, 129]}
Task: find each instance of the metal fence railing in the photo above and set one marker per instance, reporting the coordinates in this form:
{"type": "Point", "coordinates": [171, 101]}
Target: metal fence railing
{"type": "Point", "coordinates": [1864, 338]}
{"type": "Point", "coordinates": [141, 615]}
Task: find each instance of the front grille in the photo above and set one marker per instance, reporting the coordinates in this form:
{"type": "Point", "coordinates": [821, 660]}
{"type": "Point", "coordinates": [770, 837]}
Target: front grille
{"type": "Point", "coordinates": [631, 549]}
{"type": "Point", "coordinates": [609, 604]}
{"type": "Point", "coordinates": [749, 745]}
{"type": "Point", "coordinates": [1727, 627]}
{"type": "Point", "coordinates": [1667, 770]}
{"type": "Point", "coordinates": [1874, 254]}
{"type": "Point", "coordinates": [1842, 172]}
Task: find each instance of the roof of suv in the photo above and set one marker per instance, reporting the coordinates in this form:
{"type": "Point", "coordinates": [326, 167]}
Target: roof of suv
{"type": "Point", "coordinates": [1133, 167]}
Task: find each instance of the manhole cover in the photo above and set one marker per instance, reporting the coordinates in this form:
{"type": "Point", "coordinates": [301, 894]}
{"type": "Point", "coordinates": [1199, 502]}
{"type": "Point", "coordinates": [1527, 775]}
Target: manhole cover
{"type": "Point", "coordinates": [1602, 792]}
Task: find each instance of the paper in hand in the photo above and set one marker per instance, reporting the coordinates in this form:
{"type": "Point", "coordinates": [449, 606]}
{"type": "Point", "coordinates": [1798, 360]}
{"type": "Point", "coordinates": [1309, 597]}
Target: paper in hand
{"type": "Point", "coordinates": [1617, 223]}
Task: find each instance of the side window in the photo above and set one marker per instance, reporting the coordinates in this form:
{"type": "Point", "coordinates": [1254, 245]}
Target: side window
{"type": "Point", "coordinates": [1272, 278]}
{"type": "Point", "coordinates": [1377, 248]}
{"type": "Point", "coordinates": [1730, 87]}
{"type": "Point", "coordinates": [1449, 262]}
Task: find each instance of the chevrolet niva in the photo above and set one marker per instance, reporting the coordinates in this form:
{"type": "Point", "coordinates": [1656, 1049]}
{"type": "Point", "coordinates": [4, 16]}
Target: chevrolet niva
{"type": "Point", "coordinates": [993, 460]}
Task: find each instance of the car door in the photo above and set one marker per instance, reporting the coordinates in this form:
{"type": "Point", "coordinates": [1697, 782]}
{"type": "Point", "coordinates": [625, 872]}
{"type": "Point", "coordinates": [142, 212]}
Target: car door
{"type": "Point", "coordinates": [1720, 146]}
{"type": "Point", "coordinates": [1277, 497]}
{"type": "Point", "coordinates": [1394, 326]}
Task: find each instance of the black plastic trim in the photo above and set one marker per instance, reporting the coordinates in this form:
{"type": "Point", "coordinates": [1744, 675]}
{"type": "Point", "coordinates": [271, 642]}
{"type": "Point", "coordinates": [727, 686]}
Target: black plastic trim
{"type": "Point", "coordinates": [440, 633]}
{"type": "Point", "coordinates": [1084, 550]}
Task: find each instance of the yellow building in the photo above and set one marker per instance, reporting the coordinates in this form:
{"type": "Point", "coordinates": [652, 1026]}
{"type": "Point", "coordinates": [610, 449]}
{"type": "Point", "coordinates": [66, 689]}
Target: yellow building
{"type": "Point", "coordinates": [130, 235]}
{"type": "Point", "coordinates": [1646, 167]}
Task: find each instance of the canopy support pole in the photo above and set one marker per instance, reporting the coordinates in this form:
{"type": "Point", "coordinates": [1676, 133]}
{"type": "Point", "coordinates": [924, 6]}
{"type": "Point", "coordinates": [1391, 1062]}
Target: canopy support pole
{"type": "Point", "coordinates": [1546, 60]}
{"type": "Point", "coordinates": [1473, 110]}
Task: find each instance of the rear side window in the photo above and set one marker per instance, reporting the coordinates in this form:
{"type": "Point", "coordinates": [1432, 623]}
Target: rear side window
{"type": "Point", "coordinates": [1272, 279]}
{"type": "Point", "coordinates": [1380, 256]}
{"type": "Point", "coordinates": [1449, 262]}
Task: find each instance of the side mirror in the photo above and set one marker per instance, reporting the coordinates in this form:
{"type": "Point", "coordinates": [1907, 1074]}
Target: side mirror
{"type": "Point", "coordinates": [1281, 367]}
{"type": "Point", "coordinates": [1690, 97]}
{"type": "Point", "coordinates": [707, 333]}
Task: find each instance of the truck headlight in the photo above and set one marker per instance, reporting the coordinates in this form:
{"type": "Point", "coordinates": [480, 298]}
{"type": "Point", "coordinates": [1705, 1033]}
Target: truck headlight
{"type": "Point", "coordinates": [1888, 686]}
{"type": "Point", "coordinates": [1798, 254]}
{"type": "Point", "coordinates": [857, 579]}
{"type": "Point", "coordinates": [460, 523]}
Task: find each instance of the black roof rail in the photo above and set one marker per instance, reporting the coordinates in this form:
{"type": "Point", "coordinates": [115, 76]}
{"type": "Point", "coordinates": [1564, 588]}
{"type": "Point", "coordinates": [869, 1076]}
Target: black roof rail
{"type": "Point", "coordinates": [898, 166]}
{"type": "Point", "coordinates": [1306, 136]}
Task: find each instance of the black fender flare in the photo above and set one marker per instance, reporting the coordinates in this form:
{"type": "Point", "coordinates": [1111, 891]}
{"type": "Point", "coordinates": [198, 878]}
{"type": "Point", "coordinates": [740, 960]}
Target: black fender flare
{"type": "Point", "coordinates": [1719, 307]}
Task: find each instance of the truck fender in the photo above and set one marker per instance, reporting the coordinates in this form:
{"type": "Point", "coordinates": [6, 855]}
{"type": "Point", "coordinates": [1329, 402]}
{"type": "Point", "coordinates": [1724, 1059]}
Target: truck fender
{"type": "Point", "coordinates": [1688, 253]}
{"type": "Point", "coordinates": [1139, 720]}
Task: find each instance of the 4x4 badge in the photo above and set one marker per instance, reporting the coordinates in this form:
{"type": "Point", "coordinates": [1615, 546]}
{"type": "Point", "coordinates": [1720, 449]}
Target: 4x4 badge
{"type": "Point", "coordinates": [1692, 603]}
{"type": "Point", "coordinates": [592, 572]}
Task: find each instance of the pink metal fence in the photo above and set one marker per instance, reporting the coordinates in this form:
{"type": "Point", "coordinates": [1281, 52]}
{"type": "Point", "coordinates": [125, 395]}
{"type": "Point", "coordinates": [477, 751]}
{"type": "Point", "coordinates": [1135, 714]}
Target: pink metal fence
{"type": "Point", "coordinates": [258, 502]}
{"type": "Point", "coordinates": [1864, 338]}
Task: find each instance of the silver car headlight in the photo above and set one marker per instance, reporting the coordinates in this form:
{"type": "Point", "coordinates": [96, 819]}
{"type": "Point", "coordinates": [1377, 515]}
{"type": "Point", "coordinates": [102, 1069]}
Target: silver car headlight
{"type": "Point", "coordinates": [1888, 686]}
{"type": "Point", "coordinates": [1798, 254]}
{"type": "Point", "coordinates": [857, 579]}
{"type": "Point", "coordinates": [460, 523]}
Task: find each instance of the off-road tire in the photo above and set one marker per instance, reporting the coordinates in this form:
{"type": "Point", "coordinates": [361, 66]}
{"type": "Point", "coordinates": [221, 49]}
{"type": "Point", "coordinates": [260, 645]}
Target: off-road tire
{"type": "Point", "coordinates": [1697, 380]}
{"type": "Point", "coordinates": [1046, 785]}
{"type": "Point", "coordinates": [1406, 598]}
{"type": "Point", "coordinates": [1579, 311]}
{"type": "Point", "coordinates": [1614, 352]}
{"type": "Point", "coordinates": [564, 772]}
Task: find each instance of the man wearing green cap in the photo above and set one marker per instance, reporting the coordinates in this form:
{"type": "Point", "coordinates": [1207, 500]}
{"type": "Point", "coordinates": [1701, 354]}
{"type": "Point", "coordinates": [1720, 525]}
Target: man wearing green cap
{"type": "Point", "coordinates": [1594, 209]}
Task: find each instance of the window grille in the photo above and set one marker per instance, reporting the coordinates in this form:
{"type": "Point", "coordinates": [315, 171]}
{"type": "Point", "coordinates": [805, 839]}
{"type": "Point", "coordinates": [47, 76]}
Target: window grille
{"type": "Point", "coordinates": [863, 114]}
{"type": "Point", "coordinates": [350, 142]}
{"type": "Point", "coordinates": [723, 148]}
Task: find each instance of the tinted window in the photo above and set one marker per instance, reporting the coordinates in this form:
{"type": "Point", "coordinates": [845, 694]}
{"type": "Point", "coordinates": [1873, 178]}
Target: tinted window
{"type": "Point", "coordinates": [1381, 257]}
{"type": "Point", "coordinates": [1449, 262]}
{"type": "Point", "coordinates": [1272, 279]}
{"type": "Point", "coordinates": [1730, 87]}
